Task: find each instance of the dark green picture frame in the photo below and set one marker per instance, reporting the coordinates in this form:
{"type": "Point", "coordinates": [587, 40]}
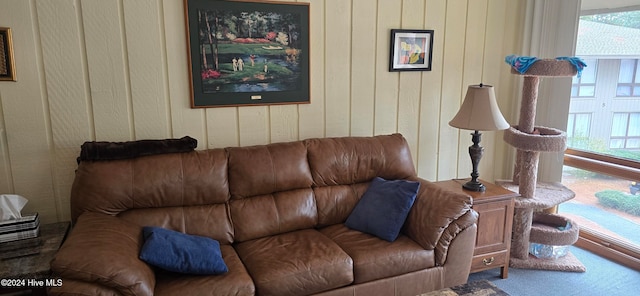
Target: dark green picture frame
{"type": "Point", "coordinates": [247, 52]}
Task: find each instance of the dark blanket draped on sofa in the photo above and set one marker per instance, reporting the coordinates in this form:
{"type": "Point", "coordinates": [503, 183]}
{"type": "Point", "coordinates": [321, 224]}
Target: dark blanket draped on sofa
{"type": "Point", "coordinates": [96, 151]}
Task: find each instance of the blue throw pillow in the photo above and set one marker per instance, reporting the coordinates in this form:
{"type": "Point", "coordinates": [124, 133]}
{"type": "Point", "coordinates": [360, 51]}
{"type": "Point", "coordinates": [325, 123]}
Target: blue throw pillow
{"type": "Point", "coordinates": [383, 208]}
{"type": "Point", "coordinates": [180, 252]}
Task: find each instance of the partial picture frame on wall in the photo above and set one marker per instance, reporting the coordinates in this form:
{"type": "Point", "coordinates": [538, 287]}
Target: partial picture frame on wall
{"type": "Point", "coordinates": [7, 63]}
{"type": "Point", "coordinates": [411, 50]}
{"type": "Point", "coordinates": [245, 53]}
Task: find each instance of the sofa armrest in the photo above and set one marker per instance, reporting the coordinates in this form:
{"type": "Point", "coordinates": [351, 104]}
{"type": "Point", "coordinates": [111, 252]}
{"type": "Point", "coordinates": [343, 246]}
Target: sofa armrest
{"type": "Point", "coordinates": [103, 249]}
{"type": "Point", "coordinates": [467, 220]}
{"type": "Point", "coordinates": [460, 256]}
{"type": "Point", "coordinates": [437, 216]}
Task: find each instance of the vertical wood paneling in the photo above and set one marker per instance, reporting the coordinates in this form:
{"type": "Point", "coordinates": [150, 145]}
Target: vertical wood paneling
{"type": "Point", "coordinates": [386, 85]}
{"type": "Point", "coordinates": [452, 70]}
{"type": "Point", "coordinates": [410, 82]}
{"type": "Point", "coordinates": [510, 86]}
{"type": "Point", "coordinates": [222, 127]}
{"type": "Point", "coordinates": [363, 67]}
{"type": "Point", "coordinates": [6, 180]}
{"type": "Point", "coordinates": [496, 17]}
{"type": "Point", "coordinates": [311, 116]}
{"type": "Point", "coordinates": [283, 118]}
{"type": "Point", "coordinates": [146, 69]}
{"type": "Point", "coordinates": [337, 71]}
{"type": "Point", "coordinates": [184, 120]}
{"type": "Point", "coordinates": [473, 59]}
{"type": "Point", "coordinates": [117, 70]}
{"type": "Point", "coordinates": [284, 123]}
{"type": "Point", "coordinates": [253, 125]}
{"type": "Point", "coordinates": [66, 89]}
{"type": "Point", "coordinates": [428, 157]}
{"type": "Point", "coordinates": [25, 118]}
{"type": "Point", "coordinates": [108, 75]}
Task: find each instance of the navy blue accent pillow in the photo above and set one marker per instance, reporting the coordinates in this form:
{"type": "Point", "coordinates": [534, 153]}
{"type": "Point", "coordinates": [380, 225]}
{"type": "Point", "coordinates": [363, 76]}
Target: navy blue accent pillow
{"type": "Point", "coordinates": [383, 208]}
{"type": "Point", "coordinates": [180, 252]}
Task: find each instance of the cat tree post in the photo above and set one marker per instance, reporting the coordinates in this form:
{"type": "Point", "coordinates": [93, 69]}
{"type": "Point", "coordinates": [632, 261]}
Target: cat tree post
{"type": "Point", "coordinates": [525, 172]}
{"type": "Point", "coordinates": [527, 116]}
{"type": "Point", "coordinates": [528, 224]}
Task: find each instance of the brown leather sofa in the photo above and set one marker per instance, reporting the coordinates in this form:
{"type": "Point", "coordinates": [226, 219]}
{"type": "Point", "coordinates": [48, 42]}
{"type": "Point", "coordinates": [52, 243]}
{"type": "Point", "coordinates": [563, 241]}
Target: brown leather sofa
{"type": "Point", "coordinates": [278, 212]}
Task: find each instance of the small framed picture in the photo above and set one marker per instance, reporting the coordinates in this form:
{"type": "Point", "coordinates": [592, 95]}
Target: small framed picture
{"type": "Point", "coordinates": [411, 50]}
{"type": "Point", "coordinates": [7, 67]}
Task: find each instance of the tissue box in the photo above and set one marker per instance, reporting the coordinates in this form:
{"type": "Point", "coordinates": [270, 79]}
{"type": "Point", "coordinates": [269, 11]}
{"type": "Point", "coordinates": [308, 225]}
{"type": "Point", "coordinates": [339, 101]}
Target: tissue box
{"type": "Point", "coordinates": [22, 228]}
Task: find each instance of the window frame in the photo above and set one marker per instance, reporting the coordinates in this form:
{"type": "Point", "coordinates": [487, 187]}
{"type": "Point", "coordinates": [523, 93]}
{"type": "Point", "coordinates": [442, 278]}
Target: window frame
{"type": "Point", "coordinates": [580, 83]}
{"type": "Point", "coordinates": [633, 85]}
{"type": "Point", "coordinates": [605, 164]}
{"type": "Point", "coordinates": [626, 136]}
{"type": "Point", "coordinates": [618, 250]}
{"type": "Point", "coordinates": [573, 128]}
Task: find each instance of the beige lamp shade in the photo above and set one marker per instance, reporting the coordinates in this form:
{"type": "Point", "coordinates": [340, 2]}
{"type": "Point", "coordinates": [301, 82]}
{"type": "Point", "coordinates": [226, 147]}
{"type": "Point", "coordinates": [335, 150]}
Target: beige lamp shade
{"type": "Point", "coordinates": [479, 111]}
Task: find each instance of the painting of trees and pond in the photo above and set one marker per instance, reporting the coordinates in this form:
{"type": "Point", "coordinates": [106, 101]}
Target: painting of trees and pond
{"type": "Point", "coordinates": [248, 52]}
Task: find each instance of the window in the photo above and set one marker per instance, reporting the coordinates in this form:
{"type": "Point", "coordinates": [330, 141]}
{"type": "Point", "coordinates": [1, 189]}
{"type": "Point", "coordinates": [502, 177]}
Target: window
{"type": "Point", "coordinates": [603, 164]}
{"type": "Point", "coordinates": [625, 131]}
{"type": "Point", "coordinates": [628, 79]}
{"type": "Point", "coordinates": [585, 86]}
{"type": "Point", "coordinates": [578, 127]}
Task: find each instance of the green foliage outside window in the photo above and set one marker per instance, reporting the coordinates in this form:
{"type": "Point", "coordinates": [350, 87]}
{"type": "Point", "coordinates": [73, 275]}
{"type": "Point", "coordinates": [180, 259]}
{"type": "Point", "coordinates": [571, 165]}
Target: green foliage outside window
{"type": "Point", "coordinates": [599, 146]}
{"type": "Point", "coordinates": [620, 200]}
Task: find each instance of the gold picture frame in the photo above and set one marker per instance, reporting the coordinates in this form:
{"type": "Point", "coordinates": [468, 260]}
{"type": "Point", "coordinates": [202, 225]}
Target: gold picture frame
{"type": "Point", "coordinates": [7, 64]}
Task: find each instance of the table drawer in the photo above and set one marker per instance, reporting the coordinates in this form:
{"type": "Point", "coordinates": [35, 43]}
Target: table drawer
{"type": "Point", "coordinates": [489, 260]}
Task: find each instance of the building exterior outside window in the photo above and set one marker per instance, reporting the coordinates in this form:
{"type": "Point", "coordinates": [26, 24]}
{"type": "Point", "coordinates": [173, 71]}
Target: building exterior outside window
{"type": "Point", "coordinates": [628, 79]}
{"type": "Point", "coordinates": [604, 113]}
{"type": "Point", "coordinates": [625, 131]}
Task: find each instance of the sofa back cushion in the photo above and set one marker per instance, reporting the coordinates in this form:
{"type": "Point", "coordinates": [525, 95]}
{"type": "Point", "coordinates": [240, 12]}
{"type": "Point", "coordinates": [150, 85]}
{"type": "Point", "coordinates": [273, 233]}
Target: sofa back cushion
{"type": "Point", "coordinates": [270, 189]}
{"type": "Point", "coordinates": [179, 191]}
{"type": "Point", "coordinates": [351, 160]}
{"type": "Point", "coordinates": [343, 167]}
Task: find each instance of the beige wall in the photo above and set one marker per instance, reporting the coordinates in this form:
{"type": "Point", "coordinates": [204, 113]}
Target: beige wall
{"type": "Point", "coordinates": [116, 70]}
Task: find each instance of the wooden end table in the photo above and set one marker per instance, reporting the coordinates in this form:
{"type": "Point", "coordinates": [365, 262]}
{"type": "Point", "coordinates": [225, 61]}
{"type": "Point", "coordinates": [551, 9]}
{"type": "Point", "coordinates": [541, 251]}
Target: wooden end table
{"type": "Point", "coordinates": [495, 219]}
{"type": "Point", "coordinates": [26, 264]}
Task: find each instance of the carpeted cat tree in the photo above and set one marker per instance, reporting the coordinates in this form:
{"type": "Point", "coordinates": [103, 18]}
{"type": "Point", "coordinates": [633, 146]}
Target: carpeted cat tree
{"type": "Point", "coordinates": [530, 224]}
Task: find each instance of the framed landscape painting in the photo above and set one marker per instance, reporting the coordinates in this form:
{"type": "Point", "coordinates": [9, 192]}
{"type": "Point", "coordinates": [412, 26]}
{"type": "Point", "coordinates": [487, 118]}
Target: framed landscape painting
{"type": "Point", "coordinates": [247, 53]}
{"type": "Point", "coordinates": [411, 50]}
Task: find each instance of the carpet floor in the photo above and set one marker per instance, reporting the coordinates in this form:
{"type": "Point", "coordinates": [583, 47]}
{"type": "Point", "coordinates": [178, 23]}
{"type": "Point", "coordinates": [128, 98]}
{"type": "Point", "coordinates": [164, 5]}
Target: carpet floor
{"type": "Point", "coordinates": [603, 277]}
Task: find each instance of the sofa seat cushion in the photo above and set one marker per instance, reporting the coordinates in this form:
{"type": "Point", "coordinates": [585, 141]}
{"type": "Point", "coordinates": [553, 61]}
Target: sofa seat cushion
{"type": "Point", "coordinates": [295, 263]}
{"type": "Point", "coordinates": [374, 258]}
{"type": "Point", "coordinates": [235, 282]}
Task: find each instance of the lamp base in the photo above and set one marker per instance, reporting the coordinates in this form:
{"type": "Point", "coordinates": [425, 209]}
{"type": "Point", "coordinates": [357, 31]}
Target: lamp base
{"type": "Point", "coordinates": [475, 152]}
{"type": "Point", "coordinates": [474, 186]}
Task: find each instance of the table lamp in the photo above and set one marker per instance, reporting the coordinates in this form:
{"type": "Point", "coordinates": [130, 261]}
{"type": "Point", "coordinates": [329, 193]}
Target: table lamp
{"type": "Point", "coordinates": [479, 112]}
